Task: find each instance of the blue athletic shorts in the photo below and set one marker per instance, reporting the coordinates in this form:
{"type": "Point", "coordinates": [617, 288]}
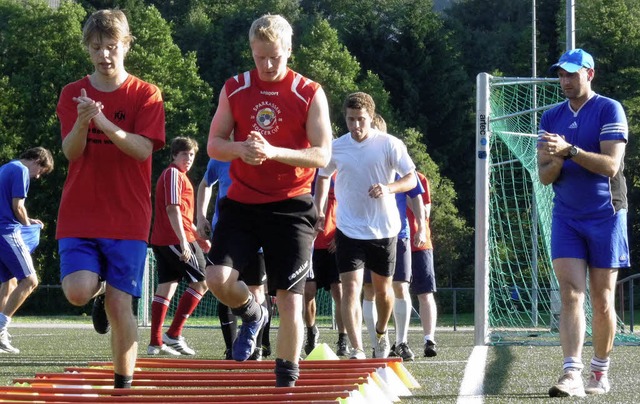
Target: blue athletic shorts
{"type": "Point", "coordinates": [424, 277]}
{"type": "Point", "coordinates": [120, 262]}
{"type": "Point", "coordinates": [15, 260]}
{"type": "Point", "coordinates": [602, 242]}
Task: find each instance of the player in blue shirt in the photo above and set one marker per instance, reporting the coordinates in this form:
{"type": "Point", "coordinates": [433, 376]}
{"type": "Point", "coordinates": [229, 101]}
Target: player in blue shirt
{"type": "Point", "coordinates": [581, 146]}
{"type": "Point", "coordinates": [15, 257]}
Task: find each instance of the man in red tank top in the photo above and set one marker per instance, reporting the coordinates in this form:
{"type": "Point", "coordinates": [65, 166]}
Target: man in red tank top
{"type": "Point", "coordinates": [281, 133]}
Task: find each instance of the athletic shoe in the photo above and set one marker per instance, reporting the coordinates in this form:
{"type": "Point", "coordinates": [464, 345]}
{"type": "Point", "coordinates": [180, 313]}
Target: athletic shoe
{"type": "Point", "coordinates": [161, 350]}
{"type": "Point", "coordinates": [342, 348]}
{"type": "Point", "coordinates": [178, 344]}
{"type": "Point", "coordinates": [430, 349]}
{"type": "Point", "coordinates": [598, 383]}
{"type": "Point", "coordinates": [392, 351]}
{"type": "Point", "coordinates": [569, 384]}
{"type": "Point", "coordinates": [312, 339]}
{"type": "Point", "coordinates": [99, 316]}
{"type": "Point", "coordinates": [404, 352]}
{"type": "Point", "coordinates": [245, 342]}
{"type": "Point", "coordinates": [256, 355]}
{"type": "Point", "coordinates": [357, 354]}
{"type": "Point", "coordinates": [5, 345]}
{"type": "Point", "coordinates": [228, 355]}
{"type": "Point", "coordinates": [382, 346]}
{"type": "Point", "coordinates": [266, 351]}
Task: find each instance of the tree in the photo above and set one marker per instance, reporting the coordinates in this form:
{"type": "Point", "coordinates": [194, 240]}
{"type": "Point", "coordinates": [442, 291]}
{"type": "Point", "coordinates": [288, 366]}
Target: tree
{"type": "Point", "coordinates": [42, 52]}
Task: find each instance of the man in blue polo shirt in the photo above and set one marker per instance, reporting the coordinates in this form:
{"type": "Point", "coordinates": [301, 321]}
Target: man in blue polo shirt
{"type": "Point", "coordinates": [17, 233]}
{"type": "Point", "coordinates": [581, 146]}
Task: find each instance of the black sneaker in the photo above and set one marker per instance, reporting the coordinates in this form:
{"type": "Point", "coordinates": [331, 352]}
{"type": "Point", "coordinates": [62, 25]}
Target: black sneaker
{"type": "Point", "coordinates": [312, 339]}
{"type": "Point", "coordinates": [228, 355]}
{"type": "Point", "coordinates": [266, 351]}
{"type": "Point", "coordinates": [99, 315]}
{"type": "Point", "coordinates": [404, 352]}
{"type": "Point", "coordinates": [343, 349]}
{"type": "Point", "coordinates": [430, 349]}
{"type": "Point", "coordinates": [392, 351]}
{"type": "Point", "coordinates": [256, 355]}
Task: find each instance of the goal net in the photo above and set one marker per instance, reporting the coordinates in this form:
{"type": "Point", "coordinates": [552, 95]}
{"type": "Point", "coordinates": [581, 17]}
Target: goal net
{"type": "Point", "coordinates": [206, 314]}
{"type": "Point", "coordinates": [516, 292]}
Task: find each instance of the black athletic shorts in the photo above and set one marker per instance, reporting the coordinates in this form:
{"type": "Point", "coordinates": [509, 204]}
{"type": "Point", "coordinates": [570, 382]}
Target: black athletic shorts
{"type": "Point", "coordinates": [402, 272]}
{"type": "Point", "coordinates": [378, 255]}
{"type": "Point", "coordinates": [325, 269]}
{"type": "Point", "coordinates": [284, 230]}
{"type": "Point", "coordinates": [170, 268]}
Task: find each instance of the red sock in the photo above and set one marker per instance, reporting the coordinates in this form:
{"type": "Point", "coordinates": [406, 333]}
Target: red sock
{"type": "Point", "coordinates": [159, 308]}
{"type": "Point", "coordinates": [188, 303]}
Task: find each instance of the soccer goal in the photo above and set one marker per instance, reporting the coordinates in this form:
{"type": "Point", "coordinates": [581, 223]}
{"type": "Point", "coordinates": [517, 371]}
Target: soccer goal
{"type": "Point", "coordinates": [206, 314]}
{"type": "Point", "coordinates": [516, 292]}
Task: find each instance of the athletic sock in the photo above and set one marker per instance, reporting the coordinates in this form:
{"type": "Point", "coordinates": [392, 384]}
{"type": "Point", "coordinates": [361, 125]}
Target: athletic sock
{"type": "Point", "coordinates": [159, 308]}
{"type": "Point", "coordinates": [401, 316]}
{"type": "Point", "coordinates": [228, 324]}
{"type": "Point", "coordinates": [429, 337]}
{"type": "Point", "coordinates": [122, 382]}
{"type": "Point", "coordinates": [249, 311]}
{"type": "Point", "coordinates": [600, 365]}
{"type": "Point", "coordinates": [267, 327]}
{"type": "Point", "coordinates": [286, 373]}
{"type": "Point", "coordinates": [369, 314]}
{"type": "Point", "coordinates": [572, 364]}
{"type": "Point", "coordinates": [188, 303]}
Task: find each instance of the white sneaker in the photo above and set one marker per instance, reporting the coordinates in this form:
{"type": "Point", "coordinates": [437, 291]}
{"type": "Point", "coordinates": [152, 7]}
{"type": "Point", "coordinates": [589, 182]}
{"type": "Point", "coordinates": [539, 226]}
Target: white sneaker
{"type": "Point", "coordinates": [598, 383]}
{"type": "Point", "coordinates": [569, 384]}
{"type": "Point", "coordinates": [382, 348]}
{"type": "Point", "coordinates": [357, 354]}
{"type": "Point", "coordinates": [178, 344]}
{"type": "Point", "coordinates": [5, 344]}
{"type": "Point", "coordinates": [161, 350]}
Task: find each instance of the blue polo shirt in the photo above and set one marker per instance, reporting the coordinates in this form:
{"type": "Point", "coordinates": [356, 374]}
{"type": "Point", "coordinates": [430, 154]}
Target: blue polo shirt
{"type": "Point", "coordinates": [580, 193]}
{"type": "Point", "coordinates": [14, 183]}
{"type": "Point", "coordinates": [218, 171]}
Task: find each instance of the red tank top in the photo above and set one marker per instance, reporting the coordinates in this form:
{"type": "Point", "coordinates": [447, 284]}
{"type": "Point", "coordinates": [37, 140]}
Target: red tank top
{"type": "Point", "coordinates": [278, 110]}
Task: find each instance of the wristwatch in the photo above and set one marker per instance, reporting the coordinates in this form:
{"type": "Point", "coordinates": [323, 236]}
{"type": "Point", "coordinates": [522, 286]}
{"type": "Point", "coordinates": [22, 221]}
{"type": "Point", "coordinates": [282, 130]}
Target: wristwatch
{"type": "Point", "coordinates": [573, 151]}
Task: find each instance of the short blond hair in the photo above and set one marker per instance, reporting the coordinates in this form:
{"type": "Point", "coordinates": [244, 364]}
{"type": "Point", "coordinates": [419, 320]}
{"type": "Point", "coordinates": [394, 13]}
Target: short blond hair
{"type": "Point", "coordinates": [110, 23]}
{"type": "Point", "coordinates": [379, 123]}
{"type": "Point", "coordinates": [271, 28]}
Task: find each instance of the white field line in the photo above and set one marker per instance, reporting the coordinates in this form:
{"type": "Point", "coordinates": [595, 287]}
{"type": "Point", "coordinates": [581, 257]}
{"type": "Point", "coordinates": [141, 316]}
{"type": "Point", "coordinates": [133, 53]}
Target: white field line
{"type": "Point", "coordinates": [472, 386]}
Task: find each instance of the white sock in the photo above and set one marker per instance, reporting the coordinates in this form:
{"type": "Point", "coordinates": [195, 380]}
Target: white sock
{"type": "Point", "coordinates": [402, 316]}
{"type": "Point", "coordinates": [370, 315]}
{"type": "Point", "coordinates": [429, 337]}
{"type": "Point", "coordinates": [600, 365]}
{"type": "Point", "coordinates": [572, 364]}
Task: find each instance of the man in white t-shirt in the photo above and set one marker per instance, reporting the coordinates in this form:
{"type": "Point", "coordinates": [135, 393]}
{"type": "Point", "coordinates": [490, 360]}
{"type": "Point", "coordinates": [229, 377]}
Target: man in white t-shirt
{"type": "Point", "coordinates": [366, 161]}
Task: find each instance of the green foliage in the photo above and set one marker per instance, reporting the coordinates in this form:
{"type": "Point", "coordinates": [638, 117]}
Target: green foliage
{"type": "Point", "coordinates": [451, 236]}
{"type": "Point", "coordinates": [42, 52]}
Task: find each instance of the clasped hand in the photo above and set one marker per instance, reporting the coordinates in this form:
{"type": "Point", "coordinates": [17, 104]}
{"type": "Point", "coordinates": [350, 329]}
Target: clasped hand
{"type": "Point", "coordinates": [256, 149]}
{"type": "Point", "coordinates": [553, 144]}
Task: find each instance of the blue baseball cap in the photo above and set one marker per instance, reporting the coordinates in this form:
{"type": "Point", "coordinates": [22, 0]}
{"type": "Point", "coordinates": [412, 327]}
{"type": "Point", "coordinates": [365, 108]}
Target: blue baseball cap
{"type": "Point", "coordinates": [574, 60]}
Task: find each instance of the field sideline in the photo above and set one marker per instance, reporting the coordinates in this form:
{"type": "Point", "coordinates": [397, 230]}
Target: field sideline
{"type": "Point", "coordinates": [511, 373]}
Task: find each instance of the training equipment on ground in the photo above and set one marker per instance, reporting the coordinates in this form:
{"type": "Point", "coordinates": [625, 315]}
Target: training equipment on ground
{"type": "Point", "coordinates": [184, 380]}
